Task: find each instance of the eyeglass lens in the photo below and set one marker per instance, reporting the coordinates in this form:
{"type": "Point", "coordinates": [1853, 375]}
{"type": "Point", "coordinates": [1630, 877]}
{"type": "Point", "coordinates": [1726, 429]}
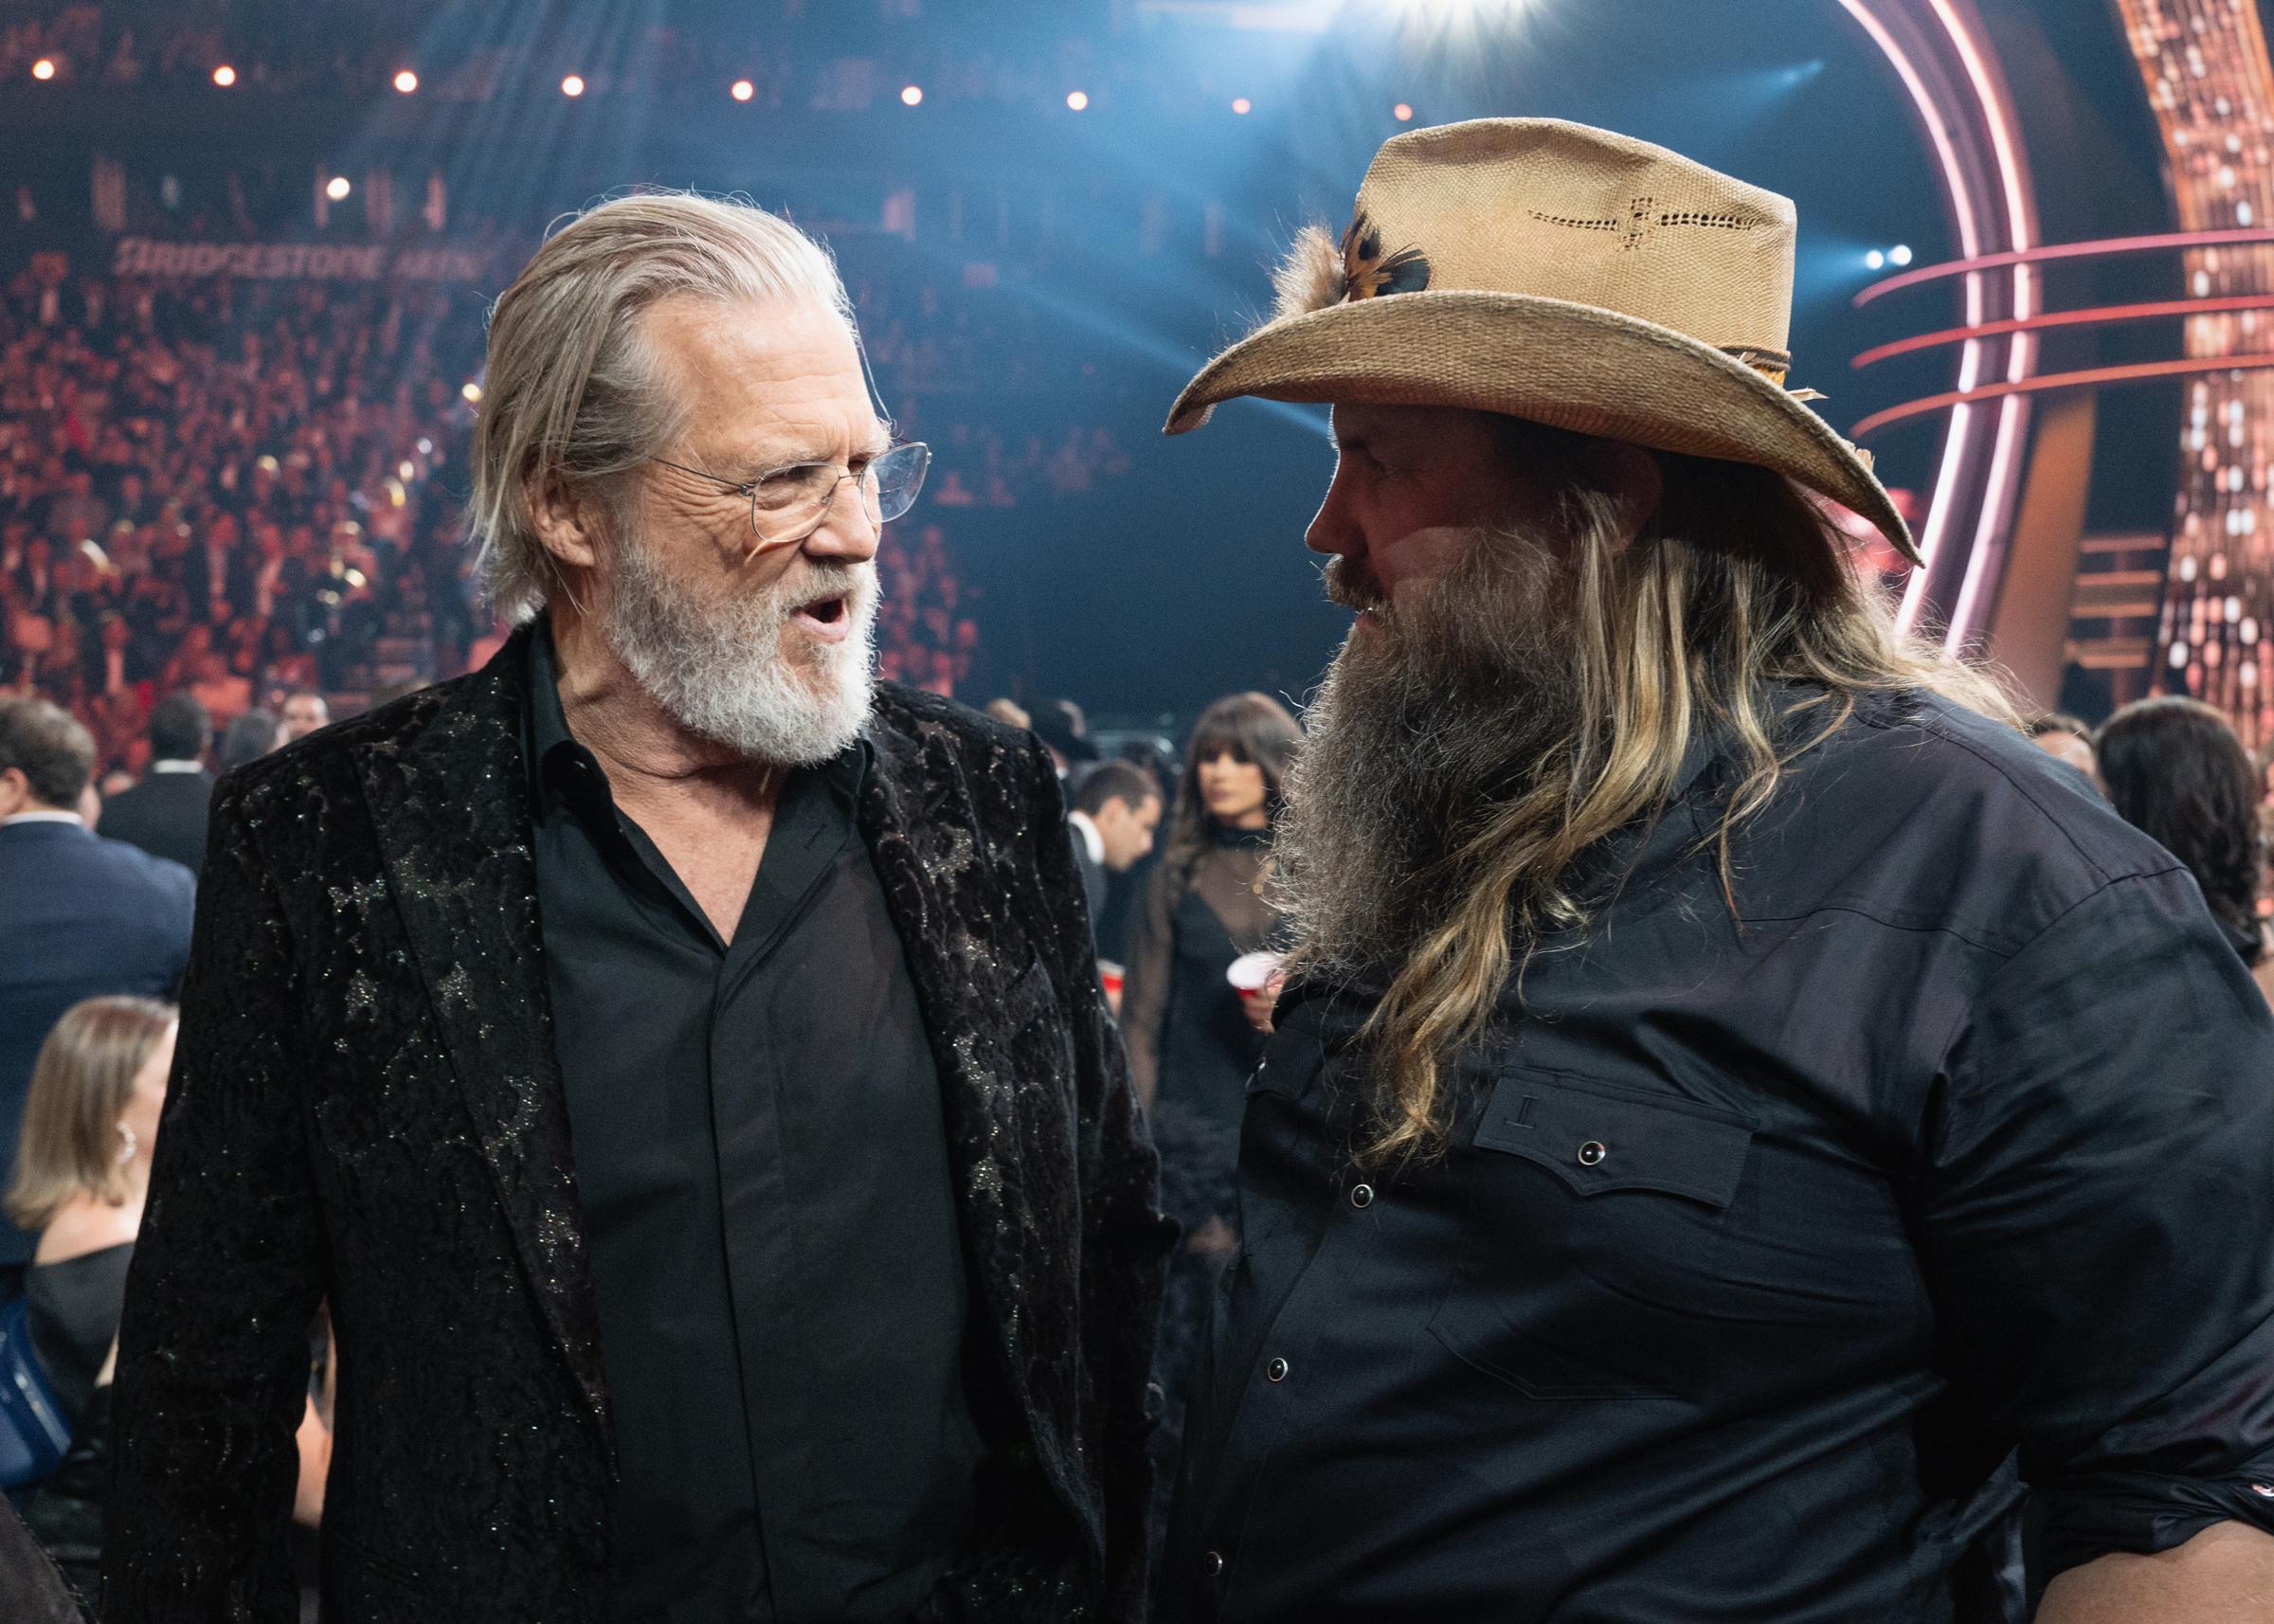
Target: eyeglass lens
{"type": "Point", "coordinates": [801, 496]}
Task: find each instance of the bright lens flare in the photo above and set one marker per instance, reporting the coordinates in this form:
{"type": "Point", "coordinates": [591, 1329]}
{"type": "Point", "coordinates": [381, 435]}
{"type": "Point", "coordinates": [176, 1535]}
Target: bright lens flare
{"type": "Point", "coordinates": [572, 86]}
{"type": "Point", "coordinates": [44, 68]}
{"type": "Point", "coordinates": [912, 96]}
{"type": "Point", "coordinates": [472, 393]}
{"type": "Point", "coordinates": [1403, 113]}
{"type": "Point", "coordinates": [1444, 22]}
{"type": "Point", "coordinates": [1078, 100]}
{"type": "Point", "coordinates": [406, 81]}
{"type": "Point", "coordinates": [224, 76]}
{"type": "Point", "coordinates": [337, 188]}
{"type": "Point", "coordinates": [1242, 106]}
{"type": "Point", "coordinates": [742, 90]}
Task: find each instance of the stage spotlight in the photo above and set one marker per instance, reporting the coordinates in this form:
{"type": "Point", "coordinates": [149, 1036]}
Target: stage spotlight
{"type": "Point", "coordinates": [911, 96]}
{"type": "Point", "coordinates": [406, 81]}
{"type": "Point", "coordinates": [224, 76]}
{"type": "Point", "coordinates": [1403, 113]}
{"type": "Point", "coordinates": [1077, 100]}
{"type": "Point", "coordinates": [44, 68]}
{"type": "Point", "coordinates": [1241, 105]}
{"type": "Point", "coordinates": [1875, 260]}
{"type": "Point", "coordinates": [742, 90]}
{"type": "Point", "coordinates": [473, 393]}
{"type": "Point", "coordinates": [1900, 254]}
{"type": "Point", "coordinates": [572, 86]}
{"type": "Point", "coordinates": [337, 188]}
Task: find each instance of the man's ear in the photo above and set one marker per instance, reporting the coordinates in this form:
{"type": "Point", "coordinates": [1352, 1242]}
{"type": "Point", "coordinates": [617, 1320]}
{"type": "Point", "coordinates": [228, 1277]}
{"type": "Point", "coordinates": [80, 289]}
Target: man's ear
{"type": "Point", "coordinates": [564, 515]}
{"type": "Point", "coordinates": [15, 792]}
{"type": "Point", "coordinates": [1632, 477]}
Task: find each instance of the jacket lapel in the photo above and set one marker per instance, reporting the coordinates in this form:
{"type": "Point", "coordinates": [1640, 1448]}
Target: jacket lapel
{"type": "Point", "coordinates": [978, 981]}
{"type": "Point", "coordinates": [451, 809]}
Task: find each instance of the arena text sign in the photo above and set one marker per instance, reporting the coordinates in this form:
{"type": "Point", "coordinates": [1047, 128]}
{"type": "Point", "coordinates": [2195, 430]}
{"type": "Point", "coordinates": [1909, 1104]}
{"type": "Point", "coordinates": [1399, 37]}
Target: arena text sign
{"type": "Point", "coordinates": [302, 262]}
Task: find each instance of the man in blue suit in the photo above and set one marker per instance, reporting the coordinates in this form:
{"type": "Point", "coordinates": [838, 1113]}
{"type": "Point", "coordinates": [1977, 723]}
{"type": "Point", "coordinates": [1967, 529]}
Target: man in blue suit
{"type": "Point", "coordinates": [79, 915]}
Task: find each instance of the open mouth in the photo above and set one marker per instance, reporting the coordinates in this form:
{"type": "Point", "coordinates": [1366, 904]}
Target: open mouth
{"type": "Point", "coordinates": [826, 618]}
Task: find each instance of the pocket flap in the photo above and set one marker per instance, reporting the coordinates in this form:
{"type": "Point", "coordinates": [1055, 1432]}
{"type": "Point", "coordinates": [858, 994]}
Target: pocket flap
{"type": "Point", "coordinates": [1597, 1138]}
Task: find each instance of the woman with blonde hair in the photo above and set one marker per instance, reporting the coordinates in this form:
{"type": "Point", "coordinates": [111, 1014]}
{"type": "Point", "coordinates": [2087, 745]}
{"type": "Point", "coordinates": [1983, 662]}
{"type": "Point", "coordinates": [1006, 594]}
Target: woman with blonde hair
{"type": "Point", "coordinates": [83, 1170]}
{"type": "Point", "coordinates": [82, 1173]}
{"type": "Point", "coordinates": [90, 1121]}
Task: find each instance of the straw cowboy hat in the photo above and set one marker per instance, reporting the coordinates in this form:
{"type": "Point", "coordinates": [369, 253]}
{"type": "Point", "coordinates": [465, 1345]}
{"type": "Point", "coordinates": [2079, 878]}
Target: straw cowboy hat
{"type": "Point", "coordinates": [1560, 274]}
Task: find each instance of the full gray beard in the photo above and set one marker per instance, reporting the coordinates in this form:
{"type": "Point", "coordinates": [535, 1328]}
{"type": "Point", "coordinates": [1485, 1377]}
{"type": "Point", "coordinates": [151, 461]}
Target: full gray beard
{"type": "Point", "coordinates": [729, 670]}
{"type": "Point", "coordinates": [1425, 725]}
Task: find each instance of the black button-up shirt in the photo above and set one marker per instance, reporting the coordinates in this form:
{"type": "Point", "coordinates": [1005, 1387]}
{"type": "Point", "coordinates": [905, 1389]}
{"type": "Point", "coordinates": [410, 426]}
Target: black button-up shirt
{"type": "Point", "coordinates": [763, 1173]}
{"type": "Point", "coordinates": [1761, 1242]}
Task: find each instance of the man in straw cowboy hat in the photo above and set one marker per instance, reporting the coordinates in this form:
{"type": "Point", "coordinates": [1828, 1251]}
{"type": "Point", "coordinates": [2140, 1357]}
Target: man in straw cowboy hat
{"type": "Point", "coordinates": [1736, 1110]}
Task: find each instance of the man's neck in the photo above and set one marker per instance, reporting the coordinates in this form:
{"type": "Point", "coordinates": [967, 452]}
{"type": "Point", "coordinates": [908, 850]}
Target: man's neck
{"type": "Point", "coordinates": [35, 812]}
{"type": "Point", "coordinates": [1093, 842]}
{"type": "Point", "coordinates": [649, 757]}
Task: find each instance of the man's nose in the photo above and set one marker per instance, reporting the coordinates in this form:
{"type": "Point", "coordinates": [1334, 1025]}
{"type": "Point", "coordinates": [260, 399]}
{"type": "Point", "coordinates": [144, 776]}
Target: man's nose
{"type": "Point", "coordinates": [1333, 530]}
{"type": "Point", "coordinates": [848, 533]}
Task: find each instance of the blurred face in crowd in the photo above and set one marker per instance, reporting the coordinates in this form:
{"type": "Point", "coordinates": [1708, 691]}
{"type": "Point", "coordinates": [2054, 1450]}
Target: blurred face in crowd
{"type": "Point", "coordinates": [2064, 746]}
{"type": "Point", "coordinates": [304, 713]}
{"type": "Point", "coordinates": [1126, 831]}
{"type": "Point", "coordinates": [758, 639]}
{"type": "Point", "coordinates": [1233, 790]}
{"type": "Point", "coordinates": [140, 1117]}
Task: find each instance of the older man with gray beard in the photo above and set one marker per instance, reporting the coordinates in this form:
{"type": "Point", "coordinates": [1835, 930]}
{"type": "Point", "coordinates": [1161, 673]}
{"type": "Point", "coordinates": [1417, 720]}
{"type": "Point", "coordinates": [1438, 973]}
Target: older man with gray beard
{"type": "Point", "coordinates": [675, 1057]}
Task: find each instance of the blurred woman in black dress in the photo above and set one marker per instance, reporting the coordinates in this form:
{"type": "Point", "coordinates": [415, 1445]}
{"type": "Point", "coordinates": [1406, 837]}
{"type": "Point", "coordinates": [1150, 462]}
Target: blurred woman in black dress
{"type": "Point", "coordinates": [1191, 1043]}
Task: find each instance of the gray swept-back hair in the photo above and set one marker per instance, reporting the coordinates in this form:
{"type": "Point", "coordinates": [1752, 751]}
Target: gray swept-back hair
{"type": "Point", "coordinates": [571, 390]}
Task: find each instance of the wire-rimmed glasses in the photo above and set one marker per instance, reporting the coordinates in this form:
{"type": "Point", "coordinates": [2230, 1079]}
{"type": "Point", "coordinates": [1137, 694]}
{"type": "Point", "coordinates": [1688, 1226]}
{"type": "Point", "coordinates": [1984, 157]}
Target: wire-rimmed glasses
{"type": "Point", "coordinates": [788, 505]}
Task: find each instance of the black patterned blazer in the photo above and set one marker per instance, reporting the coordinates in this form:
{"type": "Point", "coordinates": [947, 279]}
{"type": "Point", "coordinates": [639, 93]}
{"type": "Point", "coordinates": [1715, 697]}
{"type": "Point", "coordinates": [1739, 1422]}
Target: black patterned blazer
{"type": "Point", "coordinates": [367, 1110]}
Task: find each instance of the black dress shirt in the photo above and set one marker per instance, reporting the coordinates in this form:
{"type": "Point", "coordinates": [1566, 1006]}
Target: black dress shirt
{"type": "Point", "coordinates": [764, 1178]}
{"type": "Point", "coordinates": [1760, 1242]}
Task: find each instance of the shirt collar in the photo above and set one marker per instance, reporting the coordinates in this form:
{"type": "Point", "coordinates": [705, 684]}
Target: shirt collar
{"type": "Point", "coordinates": [1093, 842]}
{"type": "Point", "coordinates": [14, 818]}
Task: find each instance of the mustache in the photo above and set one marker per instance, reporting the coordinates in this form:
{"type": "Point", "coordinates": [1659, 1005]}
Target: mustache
{"type": "Point", "coordinates": [1353, 587]}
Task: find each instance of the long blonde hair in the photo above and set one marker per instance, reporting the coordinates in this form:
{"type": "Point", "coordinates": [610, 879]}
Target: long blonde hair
{"type": "Point", "coordinates": [1737, 584]}
{"type": "Point", "coordinates": [80, 1086]}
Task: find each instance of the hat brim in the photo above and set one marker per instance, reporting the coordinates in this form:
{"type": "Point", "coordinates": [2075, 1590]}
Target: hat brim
{"type": "Point", "coordinates": [1570, 365]}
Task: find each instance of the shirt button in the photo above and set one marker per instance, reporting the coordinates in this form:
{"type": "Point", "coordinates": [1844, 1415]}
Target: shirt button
{"type": "Point", "coordinates": [1593, 1152]}
{"type": "Point", "coordinates": [1277, 1370]}
{"type": "Point", "coordinates": [1362, 1195]}
{"type": "Point", "coordinates": [1213, 1564]}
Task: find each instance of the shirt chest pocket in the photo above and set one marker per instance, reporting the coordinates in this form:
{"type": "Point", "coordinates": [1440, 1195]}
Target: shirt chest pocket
{"type": "Point", "coordinates": [1595, 1222]}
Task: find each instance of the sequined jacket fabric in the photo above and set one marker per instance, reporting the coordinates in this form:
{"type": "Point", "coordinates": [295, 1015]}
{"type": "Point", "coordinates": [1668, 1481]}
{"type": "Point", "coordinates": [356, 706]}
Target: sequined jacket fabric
{"type": "Point", "coordinates": [366, 1108]}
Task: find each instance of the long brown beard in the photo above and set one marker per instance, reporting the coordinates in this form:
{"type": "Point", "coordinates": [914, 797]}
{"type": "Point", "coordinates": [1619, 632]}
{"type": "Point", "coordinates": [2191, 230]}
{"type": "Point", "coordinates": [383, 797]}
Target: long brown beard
{"type": "Point", "coordinates": [1424, 724]}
